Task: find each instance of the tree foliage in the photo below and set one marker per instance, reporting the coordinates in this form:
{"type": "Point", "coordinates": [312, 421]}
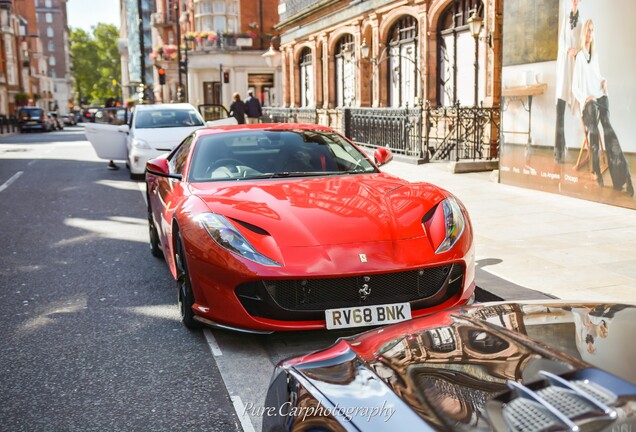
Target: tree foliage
{"type": "Point", "coordinates": [95, 62]}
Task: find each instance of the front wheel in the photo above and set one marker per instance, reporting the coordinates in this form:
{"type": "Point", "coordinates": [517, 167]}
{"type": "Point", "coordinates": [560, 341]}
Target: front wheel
{"type": "Point", "coordinates": [185, 295]}
{"type": "Point", "coordinates": [155, 246]}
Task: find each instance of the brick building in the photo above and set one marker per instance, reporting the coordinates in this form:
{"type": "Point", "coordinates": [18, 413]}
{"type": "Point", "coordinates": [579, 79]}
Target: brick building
{"type": "Point", "coordinates": [34, 67]}
{"type": "Point", "coordinates": [225, 41]}
{"type": "Point", "coordinates": [52, 21]}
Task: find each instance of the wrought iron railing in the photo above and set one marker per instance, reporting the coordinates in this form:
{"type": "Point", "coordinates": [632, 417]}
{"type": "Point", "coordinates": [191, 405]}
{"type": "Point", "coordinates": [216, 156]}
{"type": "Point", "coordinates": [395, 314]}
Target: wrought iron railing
{"type": "Point", "coordinates": [427, 133]}
{"type": "Point", "coordinates": [456, 132]}
{"type": "Point", "coordinates": [229, 43]}
{"type": "Point", "coordinates": [397, 128]}
{"type": "Point", "coordinates": [8, 124]}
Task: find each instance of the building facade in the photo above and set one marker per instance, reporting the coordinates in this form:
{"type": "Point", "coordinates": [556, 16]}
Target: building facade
{"type": "Point", "coordinates": [381, 53]}
{"type": "Point", "coordinates": [34, 67]}
{"type": "Point", "coordinates": [225, 40]}
{"type": "Point", "coordinates": [24, 73]}
{"type": "Point", "coordinates": [52, 22]}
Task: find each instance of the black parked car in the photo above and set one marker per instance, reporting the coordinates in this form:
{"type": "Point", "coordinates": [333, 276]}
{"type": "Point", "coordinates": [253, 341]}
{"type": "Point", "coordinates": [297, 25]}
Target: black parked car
{"type": "Point", "coordinates": [32, 118]}
{"type": "Point", "coordinates": [550, 366]}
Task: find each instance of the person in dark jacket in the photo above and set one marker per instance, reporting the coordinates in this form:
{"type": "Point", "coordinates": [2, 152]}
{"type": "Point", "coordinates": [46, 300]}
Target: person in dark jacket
{"type": "Point", "coordinates": [254, 110]}
{"type": "Point", "coordinates": [237, 109]}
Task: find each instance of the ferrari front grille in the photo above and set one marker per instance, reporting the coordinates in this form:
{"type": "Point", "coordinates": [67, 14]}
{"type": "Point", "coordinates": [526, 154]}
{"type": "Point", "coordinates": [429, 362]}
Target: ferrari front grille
{"type": "Point", "coordinates": [290, 299]}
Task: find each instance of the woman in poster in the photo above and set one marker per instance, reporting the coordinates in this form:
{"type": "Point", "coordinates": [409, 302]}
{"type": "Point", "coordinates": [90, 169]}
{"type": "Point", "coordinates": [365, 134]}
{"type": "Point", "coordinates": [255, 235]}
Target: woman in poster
{"type": "Point", "coordinates": [569, 37]}
{"type": "Point", "coordinates": [590, 90]}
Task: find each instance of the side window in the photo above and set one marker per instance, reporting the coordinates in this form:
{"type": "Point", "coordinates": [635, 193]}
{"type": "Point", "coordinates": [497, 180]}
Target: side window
{"type": "Point", "coordinates": [178, 157]}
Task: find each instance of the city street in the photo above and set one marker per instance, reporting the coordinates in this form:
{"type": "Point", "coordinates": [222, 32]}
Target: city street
{"type": "Point", "coordinates": [91, 338]}
{"type": "Point", "coordinates": [91, 335]}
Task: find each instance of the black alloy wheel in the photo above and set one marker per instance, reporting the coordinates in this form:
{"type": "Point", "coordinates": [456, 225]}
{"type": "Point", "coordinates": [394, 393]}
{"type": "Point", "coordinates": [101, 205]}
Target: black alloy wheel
{"type": "Point", "coordinates": [155, 246]}
{"type": "Point", "coordinates": [185, 295]}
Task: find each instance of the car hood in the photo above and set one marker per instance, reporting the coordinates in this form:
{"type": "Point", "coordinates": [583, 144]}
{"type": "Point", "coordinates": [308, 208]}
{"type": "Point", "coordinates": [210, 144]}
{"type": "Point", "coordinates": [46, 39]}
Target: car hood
{"type": "Point", "coordinates": [164, 138]}
{"type": "Point", "coordinates": [327, 210]}
{"type": "Point", "coordinates": [445, 367]}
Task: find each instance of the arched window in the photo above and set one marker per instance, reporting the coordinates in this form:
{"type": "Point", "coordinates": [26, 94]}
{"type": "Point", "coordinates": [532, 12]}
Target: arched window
{"type": "Point", "coordinates": [306, 69]}
{"type": "Point", "coordinates": [345, 72]}
{"type": "Point", "coordinates": [403, 76]}
{"type": "Point", "coordinates": [456, 54]}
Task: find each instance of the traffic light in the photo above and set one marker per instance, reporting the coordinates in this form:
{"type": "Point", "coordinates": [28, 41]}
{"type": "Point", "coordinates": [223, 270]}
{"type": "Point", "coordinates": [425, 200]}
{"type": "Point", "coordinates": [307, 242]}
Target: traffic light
{"type": "Point", "coordinates": [162, 76]}
{"type": "Point", "coordinates": [226, 77]}
{"type": "Point", "coordinates": [183, 67]}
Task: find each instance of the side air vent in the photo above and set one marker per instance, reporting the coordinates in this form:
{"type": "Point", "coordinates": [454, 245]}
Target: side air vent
{"type": "Point", "coordinates": [588, 400]}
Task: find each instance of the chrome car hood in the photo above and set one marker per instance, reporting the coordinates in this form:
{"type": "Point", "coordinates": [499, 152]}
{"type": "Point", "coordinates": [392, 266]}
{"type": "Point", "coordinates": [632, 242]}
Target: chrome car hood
{"type": "Point", "coordinates": [461, 369]}
{"type": "Point", "coordinates": [326, 210]}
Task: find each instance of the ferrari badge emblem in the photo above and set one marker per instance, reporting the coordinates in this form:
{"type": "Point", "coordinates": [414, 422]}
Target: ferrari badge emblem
{"type": "Point", "coordinates": [363, 258]}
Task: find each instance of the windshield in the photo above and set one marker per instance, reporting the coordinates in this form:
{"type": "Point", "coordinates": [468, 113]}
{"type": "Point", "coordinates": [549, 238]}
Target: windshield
{"type": "Point", "coordinates": [31, 113]}
{"type": "Point", "coordinates": [273, 154]}
{"type": "Point", "coordinates": [167, 118]}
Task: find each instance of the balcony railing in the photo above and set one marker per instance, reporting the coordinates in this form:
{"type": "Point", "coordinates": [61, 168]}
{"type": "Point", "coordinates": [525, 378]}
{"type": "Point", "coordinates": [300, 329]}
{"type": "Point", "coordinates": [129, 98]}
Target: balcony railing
{"type": "Point", "coordinates": [220, 44]}
{"type": "Point", "coordinates": [423, 133]}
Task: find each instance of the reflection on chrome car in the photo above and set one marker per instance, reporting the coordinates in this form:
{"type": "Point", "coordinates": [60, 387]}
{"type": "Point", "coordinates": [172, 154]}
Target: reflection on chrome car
{"type": "Point", "coordinates": [502, 366]}
{"type": "Point", "coordinates": [288, 226]}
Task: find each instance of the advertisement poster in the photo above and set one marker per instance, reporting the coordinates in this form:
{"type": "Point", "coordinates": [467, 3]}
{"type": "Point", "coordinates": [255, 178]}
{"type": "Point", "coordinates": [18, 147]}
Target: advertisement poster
{"type": "Point", "coordinates": [569, 98]}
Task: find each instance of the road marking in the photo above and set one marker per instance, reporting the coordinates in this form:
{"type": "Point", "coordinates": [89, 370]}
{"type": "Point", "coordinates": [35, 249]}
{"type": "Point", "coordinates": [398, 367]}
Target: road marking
{"type": "Point", "coordinates": [11, 180]}
{"type": "Point", "coordinates": [214, 346]}
{"type": "Point", "coordinates": [244, 418]}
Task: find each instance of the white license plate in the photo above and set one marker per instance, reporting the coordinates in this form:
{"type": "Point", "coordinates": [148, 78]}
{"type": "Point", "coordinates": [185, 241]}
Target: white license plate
{"type": "Point", "coordinates": [367, 315]}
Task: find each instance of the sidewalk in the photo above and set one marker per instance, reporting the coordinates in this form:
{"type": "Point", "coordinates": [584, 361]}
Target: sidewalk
{"type": "Point", "coordinates": [557, 245]}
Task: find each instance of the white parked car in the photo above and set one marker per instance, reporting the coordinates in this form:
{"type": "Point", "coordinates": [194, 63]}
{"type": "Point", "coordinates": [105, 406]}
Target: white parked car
{"type": "Point", "coordinates": [150, 131]}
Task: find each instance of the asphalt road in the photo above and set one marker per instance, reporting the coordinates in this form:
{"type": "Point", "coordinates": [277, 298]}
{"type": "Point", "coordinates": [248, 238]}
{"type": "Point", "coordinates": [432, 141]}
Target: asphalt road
{"type": "Point", "coordinates": [90, 336]}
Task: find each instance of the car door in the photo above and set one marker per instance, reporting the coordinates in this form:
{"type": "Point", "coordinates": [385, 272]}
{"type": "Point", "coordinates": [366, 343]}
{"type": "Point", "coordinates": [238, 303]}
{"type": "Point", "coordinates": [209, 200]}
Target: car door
{"type": "Point", "coordinates": [216, 115]}
{"type": "Point", "coordinates": [165, 193]}
{"type": "Point", "coordinates": [108, 135]}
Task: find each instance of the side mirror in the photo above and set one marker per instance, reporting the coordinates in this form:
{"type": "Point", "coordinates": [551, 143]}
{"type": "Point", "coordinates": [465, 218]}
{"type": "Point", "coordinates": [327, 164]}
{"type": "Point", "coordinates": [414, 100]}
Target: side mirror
{"type": "Point", "coordinates": [159, 167]}
{"type": "Point", "coordinates": [382, 155]}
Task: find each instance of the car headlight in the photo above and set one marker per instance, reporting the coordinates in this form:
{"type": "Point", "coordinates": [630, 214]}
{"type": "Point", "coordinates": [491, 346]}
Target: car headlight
{"type": "Point", "coordinates": [140, 144]}
{"type": "Point", "coordinates": [445, 224]}
{"type": "Point", "coordinates": [227, 236]}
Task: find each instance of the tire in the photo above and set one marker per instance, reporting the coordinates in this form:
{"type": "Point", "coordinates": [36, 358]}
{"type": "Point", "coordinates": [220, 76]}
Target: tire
{"type": "Point", "coordinates": [155, 246]}
{"type": "Point", "coordinates": [137, 177]}
{"type": "Point", "coordinates": [184, 288]}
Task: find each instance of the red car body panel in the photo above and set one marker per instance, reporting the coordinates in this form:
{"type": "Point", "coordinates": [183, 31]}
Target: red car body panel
{"type": "Point", "coordinates": [316, 227]}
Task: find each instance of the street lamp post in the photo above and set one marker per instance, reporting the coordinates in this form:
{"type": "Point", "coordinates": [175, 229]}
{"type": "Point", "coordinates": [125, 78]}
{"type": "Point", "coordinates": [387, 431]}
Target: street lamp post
{"type": "Point", "coordinates": [142, 59]}
{"type": "Point", "coordinates": [475, 23]}
{"type": "Point", "coordinates": [272, 56]}
{"type": "Point", "coordinates": [177, 10]}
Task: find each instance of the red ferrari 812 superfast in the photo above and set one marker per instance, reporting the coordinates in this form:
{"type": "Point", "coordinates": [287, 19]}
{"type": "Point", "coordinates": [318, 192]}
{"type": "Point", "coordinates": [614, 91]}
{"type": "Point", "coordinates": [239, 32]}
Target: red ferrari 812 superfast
{"type": "Point", "coordinates": [293, 227]}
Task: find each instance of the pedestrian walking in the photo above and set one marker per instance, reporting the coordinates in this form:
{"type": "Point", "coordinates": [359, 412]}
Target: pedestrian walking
{"type": "Point", "coordinates": [253, 108]}
{"type": "Point", "coordinates": [237, 109]}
